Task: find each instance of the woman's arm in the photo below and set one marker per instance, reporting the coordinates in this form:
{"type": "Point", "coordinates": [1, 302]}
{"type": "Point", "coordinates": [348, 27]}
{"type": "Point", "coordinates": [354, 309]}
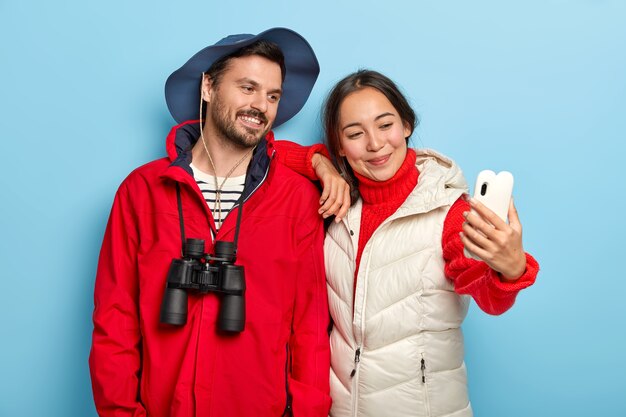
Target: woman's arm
{"type": "Point", "coordinates": [486, 282]}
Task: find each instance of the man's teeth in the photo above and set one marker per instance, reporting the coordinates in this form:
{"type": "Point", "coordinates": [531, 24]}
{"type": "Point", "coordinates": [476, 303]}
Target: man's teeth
{"type": "Point", "coordinates": [251, 119]}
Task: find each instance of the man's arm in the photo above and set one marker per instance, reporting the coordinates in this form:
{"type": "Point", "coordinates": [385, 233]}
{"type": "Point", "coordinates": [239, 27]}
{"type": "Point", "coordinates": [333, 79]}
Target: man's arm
{"type": "Point", "coordinates": [298, 157]}
{"type": "Point", "coordinates": [309, 344]}
{"type": "Point", "coordinates": [115, 360]}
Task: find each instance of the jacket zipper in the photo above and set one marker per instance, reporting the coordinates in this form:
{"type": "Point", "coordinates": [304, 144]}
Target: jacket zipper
{"type": "Point", "coordinates": [355, 386]}
{"type": "Point", "coordinates": [425, 386]}
{"type": "Point", "coordinates": [287, 411]}
{"type": "Point", "coordinates": [238, 204]}
{"type": "Point", "coordinates": [251, 192]}
{"type": "Point", "coordinates": [357, 359]}
{"type": "Point", "coordinates": [357, 353]}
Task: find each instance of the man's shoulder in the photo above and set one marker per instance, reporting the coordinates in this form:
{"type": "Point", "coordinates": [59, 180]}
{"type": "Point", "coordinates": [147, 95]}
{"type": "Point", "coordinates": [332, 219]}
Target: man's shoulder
{"type": "Point", "coordinates": [142, 179]}
{"type": "Point", "coordinates": [291, 180]}
{"type": "Point", "coordinates": [148, 171]}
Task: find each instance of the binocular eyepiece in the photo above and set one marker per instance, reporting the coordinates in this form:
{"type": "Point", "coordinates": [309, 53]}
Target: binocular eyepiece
{"type": "Point", "coordinates": [202, 273]}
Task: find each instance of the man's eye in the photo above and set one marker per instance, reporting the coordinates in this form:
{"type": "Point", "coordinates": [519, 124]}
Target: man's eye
{"type": "Point", "coordinates": [273, 98]}
{"type": "Point", "coordinates": [247, 88]}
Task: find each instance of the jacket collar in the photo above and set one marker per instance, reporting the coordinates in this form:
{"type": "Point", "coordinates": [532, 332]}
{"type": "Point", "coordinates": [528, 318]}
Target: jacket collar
{"type": "Point", "coordinates": [183, 137]}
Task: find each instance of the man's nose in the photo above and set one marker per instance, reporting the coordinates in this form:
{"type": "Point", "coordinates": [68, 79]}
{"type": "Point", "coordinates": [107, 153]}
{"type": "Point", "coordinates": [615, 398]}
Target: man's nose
{"type": "Point", "coordinates": [260, 102]}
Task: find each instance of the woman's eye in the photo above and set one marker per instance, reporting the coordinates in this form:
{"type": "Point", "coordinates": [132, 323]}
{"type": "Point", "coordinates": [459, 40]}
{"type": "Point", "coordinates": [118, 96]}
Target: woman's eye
{"type": "Point", "coordinates": [353, 135]}
{"type": "Point", "coordinates": [386, 125]}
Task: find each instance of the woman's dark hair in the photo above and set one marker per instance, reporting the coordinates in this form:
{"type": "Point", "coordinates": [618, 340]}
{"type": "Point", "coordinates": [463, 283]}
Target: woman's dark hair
{"type": "Point", "coordinates": [352, 83]}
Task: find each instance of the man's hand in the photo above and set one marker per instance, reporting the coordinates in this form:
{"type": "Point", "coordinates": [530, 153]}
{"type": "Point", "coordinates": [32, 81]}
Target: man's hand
{"type": "Point", "coordinates": [335, 198]}
{"type": "Point", "coordinates": [493, 240]}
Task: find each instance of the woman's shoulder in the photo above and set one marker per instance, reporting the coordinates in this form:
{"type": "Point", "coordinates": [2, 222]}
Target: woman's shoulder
{"type": "Point", "coordinates": [434, 167]}
{"type": "Point", "coordinates": [425, 155]}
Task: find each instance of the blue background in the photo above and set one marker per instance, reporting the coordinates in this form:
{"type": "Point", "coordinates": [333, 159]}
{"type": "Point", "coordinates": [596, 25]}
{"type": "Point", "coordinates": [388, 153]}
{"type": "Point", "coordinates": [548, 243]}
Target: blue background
{"type": "Point", "coordinates": [534, 87]}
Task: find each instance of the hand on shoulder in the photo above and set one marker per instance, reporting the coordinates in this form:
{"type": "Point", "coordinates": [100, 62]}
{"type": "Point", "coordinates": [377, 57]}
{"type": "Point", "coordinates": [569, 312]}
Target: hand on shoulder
{"type": "Point", "coordinates": [335, 199]}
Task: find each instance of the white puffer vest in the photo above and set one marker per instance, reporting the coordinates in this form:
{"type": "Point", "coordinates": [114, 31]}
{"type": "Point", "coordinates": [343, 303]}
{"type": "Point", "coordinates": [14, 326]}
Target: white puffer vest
{"type": "Point", "coordinates": [401, 352]}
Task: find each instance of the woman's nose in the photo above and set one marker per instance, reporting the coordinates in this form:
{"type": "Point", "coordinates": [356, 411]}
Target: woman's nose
{"type": "Point", "coordinates": [375, 143]}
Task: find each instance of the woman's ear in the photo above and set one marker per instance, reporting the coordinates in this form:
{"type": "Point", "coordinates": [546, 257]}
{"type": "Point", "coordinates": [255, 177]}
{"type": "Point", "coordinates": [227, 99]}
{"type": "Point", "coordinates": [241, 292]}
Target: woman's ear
{"type": "Point", "coordinates": [408, 130]}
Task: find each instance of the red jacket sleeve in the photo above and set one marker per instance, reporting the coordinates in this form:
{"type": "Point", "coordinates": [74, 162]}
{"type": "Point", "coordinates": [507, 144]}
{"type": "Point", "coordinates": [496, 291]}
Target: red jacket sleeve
{"type": "Point", "coordinates": [474, 277]}
{"type": "Point", "coordinates": [309, 344]}
{"type": "Point", "coordinates": [115, 351]}
{"type": "Point", "coordinates": [298, 157]}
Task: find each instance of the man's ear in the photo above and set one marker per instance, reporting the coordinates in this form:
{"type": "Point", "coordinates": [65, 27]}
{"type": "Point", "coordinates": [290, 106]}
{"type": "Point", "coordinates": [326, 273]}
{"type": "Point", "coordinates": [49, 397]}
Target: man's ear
{"type": "Point", "coordinates": [206, 88]}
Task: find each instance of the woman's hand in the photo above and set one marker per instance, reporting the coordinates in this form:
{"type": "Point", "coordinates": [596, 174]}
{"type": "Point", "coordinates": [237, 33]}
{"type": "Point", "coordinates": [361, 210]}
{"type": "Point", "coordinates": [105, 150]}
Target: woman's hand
{"type": "Point", "coordinates": [493, 240]}
{"type": "Point", "coordinates": [335, 199]}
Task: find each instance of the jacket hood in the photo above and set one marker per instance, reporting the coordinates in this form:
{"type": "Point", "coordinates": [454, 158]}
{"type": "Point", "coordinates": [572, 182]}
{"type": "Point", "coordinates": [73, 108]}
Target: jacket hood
{"type": "Point", "coordinates": [440, 182]}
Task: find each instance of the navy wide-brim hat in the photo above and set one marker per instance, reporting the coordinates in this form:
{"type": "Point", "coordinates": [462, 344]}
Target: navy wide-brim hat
{"type": "Point", "coordinates": [182, 88]}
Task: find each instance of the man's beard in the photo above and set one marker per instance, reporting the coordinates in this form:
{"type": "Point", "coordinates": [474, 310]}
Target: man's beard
{"type": "Point", "coordinates": [244, 137]}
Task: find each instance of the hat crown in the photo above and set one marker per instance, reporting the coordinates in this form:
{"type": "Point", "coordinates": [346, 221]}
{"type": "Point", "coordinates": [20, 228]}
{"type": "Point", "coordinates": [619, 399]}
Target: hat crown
{"type": "Point", "coordinates": [182, 92]}
{"type": "Point", "coordinates": [230, 39]}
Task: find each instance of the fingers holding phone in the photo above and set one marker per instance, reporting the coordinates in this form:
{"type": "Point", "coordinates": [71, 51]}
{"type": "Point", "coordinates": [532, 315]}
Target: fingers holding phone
{"type": "Point", "coordinates": [486, 234]}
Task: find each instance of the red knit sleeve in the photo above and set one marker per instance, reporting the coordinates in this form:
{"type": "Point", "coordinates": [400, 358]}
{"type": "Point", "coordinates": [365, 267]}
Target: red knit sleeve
{"type": "Point", "coordinates": [474, 277]}
{"type": "Point", "coordinates": [298, 157]}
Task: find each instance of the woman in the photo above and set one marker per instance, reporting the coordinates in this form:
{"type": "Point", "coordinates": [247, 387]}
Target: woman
{"type": "Point", "coordinates": [397, 277]}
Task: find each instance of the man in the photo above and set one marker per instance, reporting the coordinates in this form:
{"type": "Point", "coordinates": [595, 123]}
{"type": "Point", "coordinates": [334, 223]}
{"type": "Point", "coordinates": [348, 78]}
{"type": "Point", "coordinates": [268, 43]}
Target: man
{"type": "Point", "coordinates": [159, 347]}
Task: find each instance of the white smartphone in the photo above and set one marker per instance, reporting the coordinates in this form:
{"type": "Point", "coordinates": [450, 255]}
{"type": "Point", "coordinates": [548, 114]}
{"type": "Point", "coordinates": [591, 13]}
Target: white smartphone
{"type": "Point", "coordinates": [494, 191]}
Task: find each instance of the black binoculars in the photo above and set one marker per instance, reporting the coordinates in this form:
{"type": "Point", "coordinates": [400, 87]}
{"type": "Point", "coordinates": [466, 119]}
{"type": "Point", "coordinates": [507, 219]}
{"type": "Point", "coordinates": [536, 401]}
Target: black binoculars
{"type": "Point", "coordinates": [202, 273]}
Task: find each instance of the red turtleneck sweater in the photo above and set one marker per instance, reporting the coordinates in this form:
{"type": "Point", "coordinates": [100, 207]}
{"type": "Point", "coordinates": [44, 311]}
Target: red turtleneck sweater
{"type": "Point", "coordinates": [382, 198]}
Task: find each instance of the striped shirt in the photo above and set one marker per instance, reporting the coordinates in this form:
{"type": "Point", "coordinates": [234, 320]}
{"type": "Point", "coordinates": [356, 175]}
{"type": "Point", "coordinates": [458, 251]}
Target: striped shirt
{"type": "Point", "coordinates": [230, 193]}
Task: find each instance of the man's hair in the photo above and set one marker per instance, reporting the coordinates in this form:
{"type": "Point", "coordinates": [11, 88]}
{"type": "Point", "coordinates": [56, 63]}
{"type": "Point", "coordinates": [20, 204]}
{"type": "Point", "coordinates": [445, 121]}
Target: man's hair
{"type": "Point", "coordinates": [265, 49]}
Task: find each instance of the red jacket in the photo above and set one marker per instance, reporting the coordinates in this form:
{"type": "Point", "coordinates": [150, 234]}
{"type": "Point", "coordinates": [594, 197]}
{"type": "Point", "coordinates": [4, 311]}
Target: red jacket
{"type": "Point", "coordinates": [140, 367]}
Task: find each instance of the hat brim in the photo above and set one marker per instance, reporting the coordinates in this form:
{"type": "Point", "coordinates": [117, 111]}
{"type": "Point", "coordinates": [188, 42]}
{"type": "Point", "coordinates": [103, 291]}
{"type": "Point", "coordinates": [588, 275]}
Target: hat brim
{"type": "Point", "coordinates": [182, 88]}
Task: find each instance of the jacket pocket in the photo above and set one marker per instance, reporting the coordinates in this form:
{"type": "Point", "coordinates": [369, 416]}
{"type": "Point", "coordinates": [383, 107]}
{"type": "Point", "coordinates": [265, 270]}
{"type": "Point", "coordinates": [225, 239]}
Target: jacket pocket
{"type": "Point", "coordinates": [287, 411]}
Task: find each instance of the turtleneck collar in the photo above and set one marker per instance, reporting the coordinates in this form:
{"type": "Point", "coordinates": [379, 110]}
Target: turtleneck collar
{"type": "Point", "coordinates": [396, 188]}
